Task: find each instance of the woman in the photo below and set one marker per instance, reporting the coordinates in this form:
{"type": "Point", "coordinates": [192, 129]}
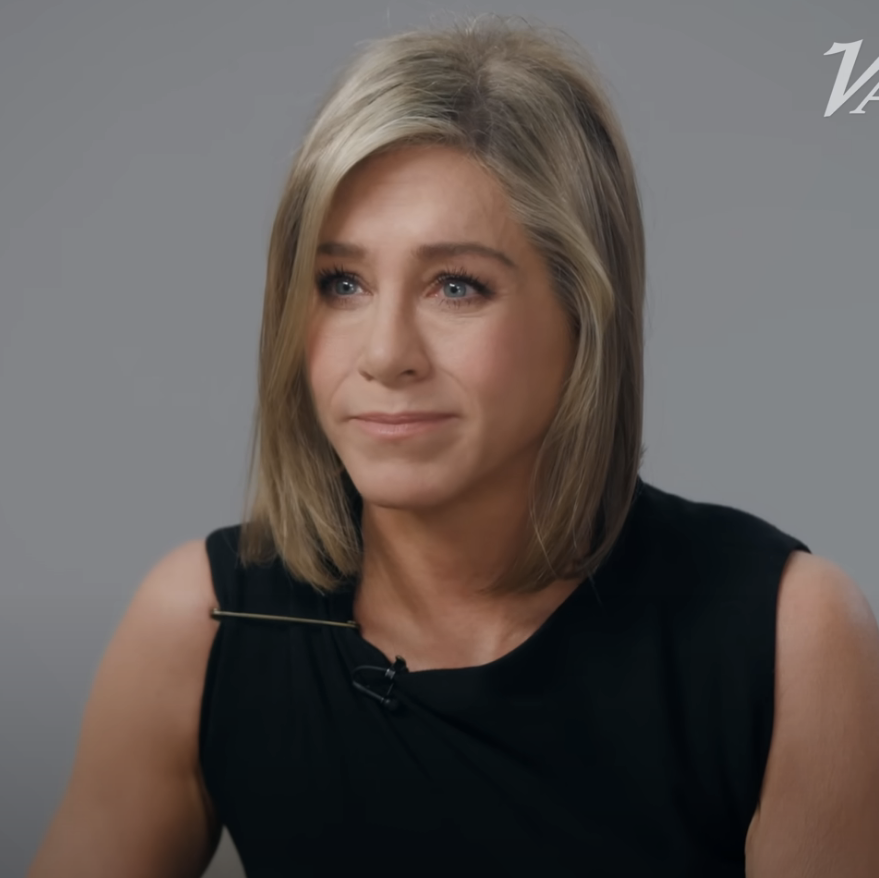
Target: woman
{"type": "Point", "coordinates": [455, 630]}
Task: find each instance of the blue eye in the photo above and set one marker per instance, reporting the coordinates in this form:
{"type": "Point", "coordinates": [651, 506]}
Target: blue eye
{"type": "Point", "coordinates": [338, 279]}
{"type": "Point", "coordinates": [455, 281]}
{"type": "Point", "coordinates": [328, 279]}
{"type": "Point", "coordinates": [329, 282]}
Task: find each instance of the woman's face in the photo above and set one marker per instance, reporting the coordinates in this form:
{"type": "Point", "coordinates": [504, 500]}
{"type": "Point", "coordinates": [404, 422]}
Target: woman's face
{"type": "Point", "coordinates": [396, 328]}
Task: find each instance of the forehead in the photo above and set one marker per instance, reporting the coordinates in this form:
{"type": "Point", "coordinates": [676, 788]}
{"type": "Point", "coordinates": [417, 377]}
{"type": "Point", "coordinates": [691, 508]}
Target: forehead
{"type": "Point", "coordinates": [420, 188]}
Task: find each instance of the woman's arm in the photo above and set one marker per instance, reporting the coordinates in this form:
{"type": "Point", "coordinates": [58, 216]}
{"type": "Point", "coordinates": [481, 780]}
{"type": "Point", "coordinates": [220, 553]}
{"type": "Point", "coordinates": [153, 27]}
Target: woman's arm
{"type": "Point", "coordinates": [136, 806]}
{"type": "Point", "coordinates": [819, 808]}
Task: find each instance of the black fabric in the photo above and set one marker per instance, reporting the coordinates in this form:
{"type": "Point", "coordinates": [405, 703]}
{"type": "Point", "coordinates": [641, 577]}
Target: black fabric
{"type": "Point", "coordinates": [626, 737]}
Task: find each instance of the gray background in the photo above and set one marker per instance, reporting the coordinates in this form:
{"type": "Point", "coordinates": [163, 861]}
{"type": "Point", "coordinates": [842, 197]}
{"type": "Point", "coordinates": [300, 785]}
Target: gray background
{"type": "Point", "coordinates": [142, 151]}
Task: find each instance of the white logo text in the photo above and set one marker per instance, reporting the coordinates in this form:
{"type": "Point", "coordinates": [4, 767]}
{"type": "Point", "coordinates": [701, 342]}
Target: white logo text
{"type": "Point", "coordinates": [841, 93]}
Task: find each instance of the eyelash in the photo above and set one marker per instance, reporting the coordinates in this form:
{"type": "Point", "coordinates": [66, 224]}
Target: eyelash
{"type": "Point", "coordinates": [328, 275]}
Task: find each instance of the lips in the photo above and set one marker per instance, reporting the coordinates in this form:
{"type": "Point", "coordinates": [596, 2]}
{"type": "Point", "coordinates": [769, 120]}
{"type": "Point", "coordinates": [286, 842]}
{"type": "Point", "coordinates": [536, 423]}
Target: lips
{"type": "Point", "coordinates": [401, 418]}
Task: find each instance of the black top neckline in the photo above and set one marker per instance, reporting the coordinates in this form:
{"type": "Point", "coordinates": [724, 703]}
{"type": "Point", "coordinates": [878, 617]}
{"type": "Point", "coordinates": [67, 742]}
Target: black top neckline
{"type": "Point", "coordinates": [362, 650]}
{"type": "Point", "coordinates": [367, 651]}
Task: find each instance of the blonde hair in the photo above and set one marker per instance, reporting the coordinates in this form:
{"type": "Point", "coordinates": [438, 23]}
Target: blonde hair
{"type": "Point", "coordinates": [526, 102]}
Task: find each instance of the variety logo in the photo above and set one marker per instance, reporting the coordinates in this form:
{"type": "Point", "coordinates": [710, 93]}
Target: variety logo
{"type": "Point", "coordinates": [841, 92]}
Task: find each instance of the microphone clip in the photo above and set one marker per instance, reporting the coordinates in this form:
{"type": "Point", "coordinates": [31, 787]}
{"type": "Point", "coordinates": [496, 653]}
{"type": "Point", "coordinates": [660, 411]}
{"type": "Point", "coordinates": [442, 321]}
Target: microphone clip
{"type": "Point", "coordinates": [389, 674]}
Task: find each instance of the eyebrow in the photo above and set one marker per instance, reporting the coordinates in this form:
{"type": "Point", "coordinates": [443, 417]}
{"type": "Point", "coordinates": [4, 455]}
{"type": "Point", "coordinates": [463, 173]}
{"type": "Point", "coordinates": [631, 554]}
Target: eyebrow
{"type": "Point", "coordinates": [424, 252]}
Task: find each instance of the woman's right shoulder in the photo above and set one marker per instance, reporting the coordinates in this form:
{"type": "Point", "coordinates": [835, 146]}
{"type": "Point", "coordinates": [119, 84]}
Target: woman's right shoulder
{"type": "Point", "coordinates": [180, 587]}
{"type": "Point", "coordinates": [171, 608]}
{"type": "Point", "coordinates": [136, 794]}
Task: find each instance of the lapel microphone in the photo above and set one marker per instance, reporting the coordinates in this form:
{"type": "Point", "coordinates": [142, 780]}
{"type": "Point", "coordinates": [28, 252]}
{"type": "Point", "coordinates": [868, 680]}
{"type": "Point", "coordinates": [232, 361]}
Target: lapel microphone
{"type": "Point", "coordinates": [389, 674]}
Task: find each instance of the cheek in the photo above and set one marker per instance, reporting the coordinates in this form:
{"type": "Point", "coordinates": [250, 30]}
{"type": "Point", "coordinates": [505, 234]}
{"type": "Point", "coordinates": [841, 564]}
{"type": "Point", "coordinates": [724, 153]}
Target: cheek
{"type": "Point", "coordinates": [495, 367]}
{"type": "Point", "coordinates": [519, 371]}
{"type": "Point", "coordinates": [325, 364]}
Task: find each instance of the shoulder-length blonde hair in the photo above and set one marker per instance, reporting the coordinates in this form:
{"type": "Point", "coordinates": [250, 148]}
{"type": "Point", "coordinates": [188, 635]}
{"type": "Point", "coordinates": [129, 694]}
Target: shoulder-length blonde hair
{"type": "Point", "coordinates": [526, 102]}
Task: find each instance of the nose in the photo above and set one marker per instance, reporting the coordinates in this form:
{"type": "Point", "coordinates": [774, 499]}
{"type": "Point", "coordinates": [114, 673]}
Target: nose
{"type": "Point", "coordinates": [391, 343]}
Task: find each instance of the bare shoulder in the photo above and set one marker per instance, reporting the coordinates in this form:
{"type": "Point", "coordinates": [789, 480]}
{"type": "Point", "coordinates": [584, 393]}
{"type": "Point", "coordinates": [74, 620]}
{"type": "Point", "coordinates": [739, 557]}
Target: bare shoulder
{"type": "Point", "coordinates": [136, 804]}
{"type": "Point", "coordinates": [819, 806]}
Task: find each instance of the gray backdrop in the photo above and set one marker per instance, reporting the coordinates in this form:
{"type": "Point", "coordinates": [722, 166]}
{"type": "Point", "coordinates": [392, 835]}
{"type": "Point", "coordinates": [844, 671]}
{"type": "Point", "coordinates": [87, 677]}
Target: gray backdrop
{"type": "Point", "coordinates": [142, 150]}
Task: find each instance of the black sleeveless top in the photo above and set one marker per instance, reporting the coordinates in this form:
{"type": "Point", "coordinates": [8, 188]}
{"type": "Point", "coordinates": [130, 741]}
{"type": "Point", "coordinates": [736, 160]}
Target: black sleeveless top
{"type": "Point", "coordinates": [626, 737]}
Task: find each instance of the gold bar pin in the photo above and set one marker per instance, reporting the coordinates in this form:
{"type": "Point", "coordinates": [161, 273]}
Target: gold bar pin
{"type": "Point", "coordinates": [216, 613]}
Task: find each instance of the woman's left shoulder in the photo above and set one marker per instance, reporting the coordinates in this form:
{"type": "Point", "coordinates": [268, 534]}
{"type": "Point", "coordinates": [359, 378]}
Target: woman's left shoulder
{"type": "Point", "coordinates": [823, 616]}
{"type": "Point", "coordinates": [819, 804]}
{"type": "Point", "coordinates": [819, 589]}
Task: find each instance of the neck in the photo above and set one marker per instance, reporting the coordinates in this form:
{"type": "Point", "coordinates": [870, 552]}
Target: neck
{"type": "Point", "coordinates": [420, 592]}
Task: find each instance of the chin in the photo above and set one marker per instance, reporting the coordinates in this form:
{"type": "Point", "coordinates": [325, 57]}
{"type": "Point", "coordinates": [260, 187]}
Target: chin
{"type": "Point", "coordinates": [399, 492]}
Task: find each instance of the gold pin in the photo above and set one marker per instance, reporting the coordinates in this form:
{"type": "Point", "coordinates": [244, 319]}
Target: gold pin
{"type": "Point", "coordinates": [216, 613]}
